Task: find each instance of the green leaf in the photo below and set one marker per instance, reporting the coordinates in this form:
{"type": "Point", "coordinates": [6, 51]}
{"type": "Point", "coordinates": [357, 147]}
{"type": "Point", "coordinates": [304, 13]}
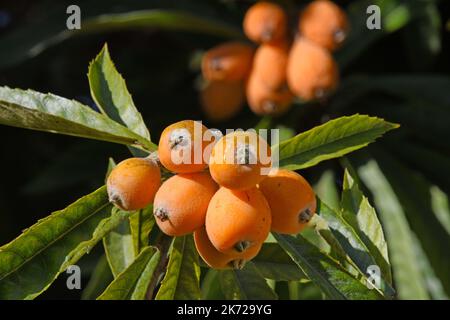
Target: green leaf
{"type": "Point", "coordinates": [104, 229]}
{"type": "Point", "coordinates": [118, 245]}
{"type": "Point", "coordinates": [409, 281]}
{"type": "Point", "coordinates": [441, 207]}
{"type": "Point", "coordinates": [47, 112]}
{"type": "Point", "coordinates": [355, 243]}
{"type": "Point", "coordinates": [182, 278]}
{"type": "Point", "coordinates": [327, 274]}
{"type": "Point", "coordinates": [162, 19]}
{"type": "Point", "coordinates": [327, 190]}
{"type": "Point", "coordinates": [272, 262]}
{"type": "Point", "coordinates": [245, 284]}
{"type": "Point", "coordinates": [413, 193]}
{"type": "Point", "coordinates": [31, 262]}
{"type": "Point", "coordinates": [100, 278]}
{"type": "Point", "coordinates": [330, 140]}
{"type": "Point", "coordinates": [141, 223]}
{"type": "Point", "coordinates": [133, 282]}
{"type": "Point", "coordinates": [211, 286]}
{"type": "Point", "coordinates": [361, 216]}
{"type": "Point", "coordinates": [334, 248]}
{"type": "Point", "coordinates": [110, 93]}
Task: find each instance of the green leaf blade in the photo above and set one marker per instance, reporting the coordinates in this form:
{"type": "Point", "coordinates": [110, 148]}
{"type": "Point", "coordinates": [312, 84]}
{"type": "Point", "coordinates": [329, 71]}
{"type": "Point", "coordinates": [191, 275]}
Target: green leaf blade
{"type": "Point", "coordinates": [132, 283]}
{"type": "Point", "coordinates": [182, 279]}
{"type": "Point", "coordinates": [329, 276]}
{"type": "Point", "coordinates": [110, 93]}
{"type": "Point", "coordinates": [245, 284]}
{"type": "Point", "coordinates": [330, 140]}
{"type": "Point", "coordinates": [358, 212]}
{"type": "Point", "coordinates": [408, 278]}
{"type": "Point", "coordinates": [47, 112]}
{"type": "Point", "coordinates": [273, 263]}
{"type": "Point", "coordinates": [31, 262]}
{"type": "Point", "coordinates": [118, 245]}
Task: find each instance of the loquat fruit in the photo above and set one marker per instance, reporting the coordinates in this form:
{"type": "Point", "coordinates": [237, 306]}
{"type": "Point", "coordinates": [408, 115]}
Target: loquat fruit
{"type": "Point", "coordinates": [324, 23]}
{"type": "Point", "coordinates": [132, 184]}
{"type": "Point", "coordinates": [237, 220]}
{"type": "Point", "coordinates": [239, 160]}
{"type": "Point", "coordinates": [181, 202]}
{"type": "Point", "coordinates": [181, 147]}
{"type": "Point", "coordinates": [291, 199]}
{"type": "Point", "coordinates": [312, 72]}
{"type": "Point", "coordinates": [270, 65]}
{"type": "Point", "coordinates": [219, 260]}
{"type": "Point", "coordinates": [230, 61]}
{"type": "Point", "coordinates": [264, 100]}
{"type": "Point", "coordinates": [222, 100]}
{"type": "Point", "coordinates": [265, 22]}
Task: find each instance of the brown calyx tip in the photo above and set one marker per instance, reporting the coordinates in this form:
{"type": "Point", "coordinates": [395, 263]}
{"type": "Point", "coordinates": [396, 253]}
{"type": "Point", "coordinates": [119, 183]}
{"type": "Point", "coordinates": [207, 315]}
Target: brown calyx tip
{"type": "Point", "coordinates": [161, 214]}
{"type": "Point", "coordinates": [269, 106]}
{"type": "Point", "coordinates": [241, 246]}
{"type": "Point", "coordinates": [267, 34]}
{"type": "Point", "coordinates": [339, 35]}
{"type": "Point", "coordinates": [305, 216]}
{"type": "Point", "coordinates": [116, 200]}
{"type": "Point", "coordinates": [238, 264]}
{"type": "Point", "coordinates": [216, 64]}
{"type": "Point", "coordinates": [320, 93]}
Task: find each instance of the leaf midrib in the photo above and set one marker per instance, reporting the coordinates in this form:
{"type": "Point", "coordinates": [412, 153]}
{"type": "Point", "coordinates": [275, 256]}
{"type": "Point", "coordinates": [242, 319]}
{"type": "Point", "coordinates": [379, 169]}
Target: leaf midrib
{"type": "Point", "coordinates": [349, 137]}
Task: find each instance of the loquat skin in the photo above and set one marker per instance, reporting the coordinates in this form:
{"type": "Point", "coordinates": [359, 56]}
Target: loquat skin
{"type": "Point", "coordinates": [312, 72]}
{"type": "Point", "coordinates": [270, 65]}
{"type": "Point", "coordinates": [181, 202]}
{"type": "Point", "coordinates": [237, 220]}
{"type": "Point", "coordinates": [324, 23]}
{"type": "Point", "coordinates": [230, 61]}
{"type": "Point", "coordinates": [265, 22]}
{"type": "Point", "coordinates": [133, 183]}
{"type": "Point", "coordinates": [291, 199]}
{"type": "Point", "coordinates": [264, 100]}
{"type": "Point", "coordinates": [180, 147]}
{"type": "Point", "coordinates": [222, 100]}
{"type": "Point", "coordinates": [238, 160]}
{"type": "Point", "coordinates": [219, 260]}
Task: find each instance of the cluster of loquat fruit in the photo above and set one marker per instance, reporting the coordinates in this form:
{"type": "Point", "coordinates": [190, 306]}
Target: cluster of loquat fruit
{"type": "Point", "coordinates": [225, 198]}
{"type": "Point", "coordinates": [285, 64]}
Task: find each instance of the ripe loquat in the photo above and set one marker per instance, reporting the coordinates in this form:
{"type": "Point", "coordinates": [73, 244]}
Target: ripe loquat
{"type": "Point", "coordinates": [219, 260]}
{"type": "Point", "coordinates": [237, 220]}
{"type": "Point", "coordinates": [132, 184]}
{"type": "Point", "coordinates": [324, 23]}
{"type": "Point", "coordinates": [264, 100]}
{"type": "Point", "coordinates": [181, 202]}
{"type": "Point", "coordinates": [291, 199]}
{"type": "Point", "coordinates": [181, 147]}
{"type": "Point", "coordinates": [238, 160]}
{"type": "Point", "coordinates": [270, 64]}
{"type": "Point", "coordinates": [265, 22]}
{"type": "Point", "coordinates": [230, 61]}
{"type": "Point", "coordinates": [312, 72]}
{"type": "Point", "coordinates": [222, 100]}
